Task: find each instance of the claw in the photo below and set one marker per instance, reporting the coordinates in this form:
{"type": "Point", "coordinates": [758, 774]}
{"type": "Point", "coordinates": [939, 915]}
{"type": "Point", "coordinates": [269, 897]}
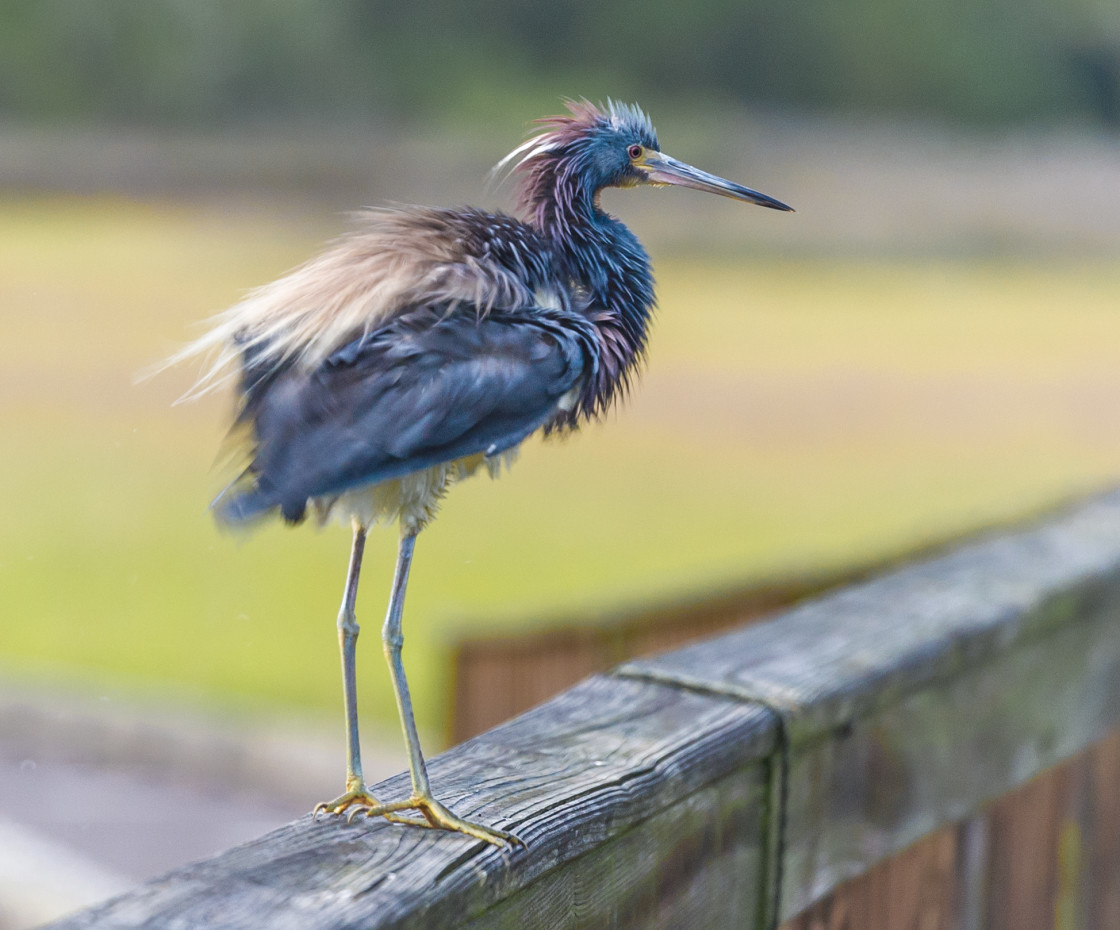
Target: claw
{"type": "Point", "coordinates": [355, 800]}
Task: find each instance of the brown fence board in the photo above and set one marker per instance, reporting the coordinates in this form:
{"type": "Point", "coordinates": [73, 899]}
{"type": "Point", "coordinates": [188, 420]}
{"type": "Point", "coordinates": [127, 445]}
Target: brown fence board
{"type": "Point", "coordinates": [1024, 830]}
{"type": "Point", "coordinates": [1100, 823]}
{"type": "Point", "coordinates": [914, 890]}
{"type": "Point", "coordinates": [1054, 847]}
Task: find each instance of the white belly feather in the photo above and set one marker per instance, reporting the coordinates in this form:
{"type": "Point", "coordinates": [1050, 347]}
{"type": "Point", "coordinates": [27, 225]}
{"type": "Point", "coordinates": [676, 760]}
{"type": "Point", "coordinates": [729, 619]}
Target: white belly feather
{"type": "Point", "coordinates": [412, 499]}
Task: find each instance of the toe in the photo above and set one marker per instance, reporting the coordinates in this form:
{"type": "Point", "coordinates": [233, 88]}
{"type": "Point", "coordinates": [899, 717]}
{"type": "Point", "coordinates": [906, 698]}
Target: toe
{"type": "Point", "coordinates": [442, 818]}
{"type": "Point", "coordinates": [354, 801]}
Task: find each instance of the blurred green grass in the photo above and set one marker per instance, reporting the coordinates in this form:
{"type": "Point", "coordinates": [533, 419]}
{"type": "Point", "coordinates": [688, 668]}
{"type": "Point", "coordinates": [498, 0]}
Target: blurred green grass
{"type": "Point", "coordinates": [798, 415]}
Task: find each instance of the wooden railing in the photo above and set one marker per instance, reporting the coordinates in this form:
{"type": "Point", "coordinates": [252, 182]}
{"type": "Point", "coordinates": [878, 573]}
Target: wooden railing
{"type": "Point", "coordinates": [897, 753]}
{"type": "Point", "coordinates": [498, 677]}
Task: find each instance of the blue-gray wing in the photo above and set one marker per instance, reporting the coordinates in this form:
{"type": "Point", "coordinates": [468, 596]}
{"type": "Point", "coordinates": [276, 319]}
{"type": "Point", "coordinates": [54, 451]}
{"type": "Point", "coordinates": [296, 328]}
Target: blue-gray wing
{"type": "Point", "coordinates": [427, 388]}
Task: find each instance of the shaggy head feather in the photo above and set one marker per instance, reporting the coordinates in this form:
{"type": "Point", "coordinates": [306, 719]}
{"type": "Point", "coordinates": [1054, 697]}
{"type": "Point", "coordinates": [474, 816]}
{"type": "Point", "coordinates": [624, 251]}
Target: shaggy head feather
{"type": "Point", "coordinates": [574, 156]}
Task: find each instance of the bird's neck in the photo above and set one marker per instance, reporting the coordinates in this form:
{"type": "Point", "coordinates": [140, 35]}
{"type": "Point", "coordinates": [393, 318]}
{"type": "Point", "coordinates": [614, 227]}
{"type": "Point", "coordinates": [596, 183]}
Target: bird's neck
{"type": "Point", "coordinates": [611, 270]}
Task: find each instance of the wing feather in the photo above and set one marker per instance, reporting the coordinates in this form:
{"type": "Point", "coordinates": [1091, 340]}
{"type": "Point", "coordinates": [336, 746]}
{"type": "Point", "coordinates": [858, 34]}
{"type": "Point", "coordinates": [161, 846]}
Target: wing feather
{"type": "Point", "coordinates": [429, 387]}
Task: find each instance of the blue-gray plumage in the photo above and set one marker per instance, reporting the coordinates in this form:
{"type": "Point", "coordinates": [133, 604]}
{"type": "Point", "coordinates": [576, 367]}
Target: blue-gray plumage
{"type": "Point", "coordinates": [431, 386]}
{"type": "Point", "coordinates": [431, 342]}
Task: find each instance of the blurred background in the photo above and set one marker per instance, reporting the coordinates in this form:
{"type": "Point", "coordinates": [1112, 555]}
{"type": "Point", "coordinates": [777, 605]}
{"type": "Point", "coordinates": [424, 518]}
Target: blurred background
{"type": "Point", "coordinates": [930, 346]}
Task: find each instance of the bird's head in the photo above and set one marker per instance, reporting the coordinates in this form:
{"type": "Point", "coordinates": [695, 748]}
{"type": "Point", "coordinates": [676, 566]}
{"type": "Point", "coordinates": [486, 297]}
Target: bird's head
{"type": "Point", "coordinates": [594, 147]}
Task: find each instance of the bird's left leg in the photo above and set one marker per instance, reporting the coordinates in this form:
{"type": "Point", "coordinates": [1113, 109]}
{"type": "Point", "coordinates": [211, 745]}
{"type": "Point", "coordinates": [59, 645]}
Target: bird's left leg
{"type": "Point", "coordinates": [435, 814]}
{"type": "Point", "coordinates": [355, 793]}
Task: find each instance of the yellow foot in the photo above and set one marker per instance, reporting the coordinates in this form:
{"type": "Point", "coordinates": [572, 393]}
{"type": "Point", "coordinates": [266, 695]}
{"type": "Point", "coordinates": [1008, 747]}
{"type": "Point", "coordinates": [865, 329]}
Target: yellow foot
{"type": "Point", "coordinates": [355, 800]}
{"type": "Point", "coordinates": [437, 816]}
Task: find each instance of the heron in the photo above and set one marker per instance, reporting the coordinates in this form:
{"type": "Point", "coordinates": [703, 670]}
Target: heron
{"type": "Point", "coordinates": [427, 345]}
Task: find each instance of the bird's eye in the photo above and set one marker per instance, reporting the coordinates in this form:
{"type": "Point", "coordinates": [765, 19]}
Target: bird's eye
{"type": "Point", "coordinates": [635, 151]}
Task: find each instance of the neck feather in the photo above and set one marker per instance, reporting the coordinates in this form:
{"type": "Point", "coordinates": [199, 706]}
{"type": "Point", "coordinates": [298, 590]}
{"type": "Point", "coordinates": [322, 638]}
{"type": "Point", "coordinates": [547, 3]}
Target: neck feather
{"type": "Point", "coordinates": [609, 268]}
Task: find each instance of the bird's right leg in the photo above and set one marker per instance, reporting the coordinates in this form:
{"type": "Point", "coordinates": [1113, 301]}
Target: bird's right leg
{"type": "Point", "coordinates": [355, 793]}
{"type": "Point", "coordinates": [434, 813]}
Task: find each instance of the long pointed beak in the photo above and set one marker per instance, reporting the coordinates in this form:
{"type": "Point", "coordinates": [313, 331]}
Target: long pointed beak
{"type": "Point", "coordinates": [661, 169]}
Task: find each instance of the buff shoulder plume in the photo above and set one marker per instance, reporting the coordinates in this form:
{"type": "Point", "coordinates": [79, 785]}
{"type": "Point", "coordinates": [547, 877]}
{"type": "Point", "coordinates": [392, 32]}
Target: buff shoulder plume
{"type": "Point", "coordinates": [396, 259]}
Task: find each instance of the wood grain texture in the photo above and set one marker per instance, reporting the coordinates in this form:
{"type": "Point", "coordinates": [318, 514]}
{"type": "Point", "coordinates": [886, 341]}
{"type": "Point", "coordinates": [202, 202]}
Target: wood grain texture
{"type": "Point", "coordinates": [697, 864]}
{"type": "Point", "coordinates": [612, 768]}
{"type": "Point", "coordinates": [858, 795]}
{"type": "Point", "coordinates": [911, 701]}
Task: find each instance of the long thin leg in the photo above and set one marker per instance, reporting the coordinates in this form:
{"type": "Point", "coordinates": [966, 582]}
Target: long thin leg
{"type": "Point", "coordinates": [347, 642]}
{"type": "Point", "coordinates": [348, 630]}
{"type": "Point", "coordinates": [392, 640]}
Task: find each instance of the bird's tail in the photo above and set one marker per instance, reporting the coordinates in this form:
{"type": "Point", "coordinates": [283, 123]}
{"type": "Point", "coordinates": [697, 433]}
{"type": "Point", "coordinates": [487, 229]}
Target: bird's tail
{"type": "Point", "coordinates": [245, 502]}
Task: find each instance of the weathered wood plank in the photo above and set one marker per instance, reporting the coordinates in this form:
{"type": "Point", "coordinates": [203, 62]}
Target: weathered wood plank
{"type": "Point", "coordinates": [654, 797]}
{"type": "Point", "coordinates": [697, 864]}
{"type": "Point", "coordinates": [499, 676]}
{"type": "Point", "coordinates": [593, 781]}
{"type": "Point", "coordinates": [910, 701]}
{"type": "Point", "coordinates": [833, 659]}
{"type": "Point", "coordinates": [939, 754]}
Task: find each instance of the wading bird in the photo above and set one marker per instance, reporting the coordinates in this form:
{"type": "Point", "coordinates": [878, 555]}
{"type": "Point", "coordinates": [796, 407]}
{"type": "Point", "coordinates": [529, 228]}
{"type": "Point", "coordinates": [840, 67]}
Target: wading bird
{"type": "Point", "coordinates": [429, 344]}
